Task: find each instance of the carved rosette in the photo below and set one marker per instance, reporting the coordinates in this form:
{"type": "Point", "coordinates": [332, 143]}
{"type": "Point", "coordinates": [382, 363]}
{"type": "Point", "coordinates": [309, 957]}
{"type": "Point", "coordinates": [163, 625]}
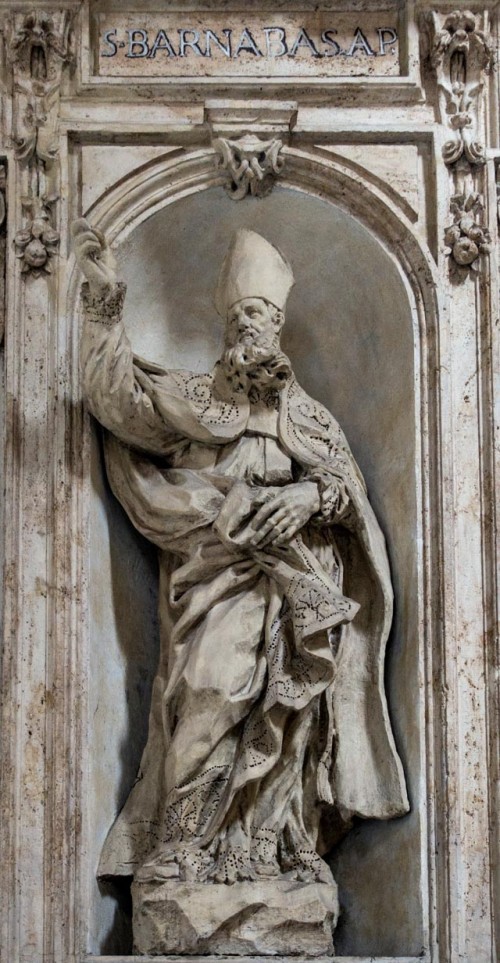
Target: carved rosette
{"type": "Point", "coordinates": [39, 46]}
{"type": "Point", "coordinates": [252, 165]}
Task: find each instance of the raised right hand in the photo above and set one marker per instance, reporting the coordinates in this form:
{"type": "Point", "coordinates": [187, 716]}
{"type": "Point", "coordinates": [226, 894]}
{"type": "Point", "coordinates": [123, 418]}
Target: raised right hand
{"type": "Point", "coordinates": [94, 256]}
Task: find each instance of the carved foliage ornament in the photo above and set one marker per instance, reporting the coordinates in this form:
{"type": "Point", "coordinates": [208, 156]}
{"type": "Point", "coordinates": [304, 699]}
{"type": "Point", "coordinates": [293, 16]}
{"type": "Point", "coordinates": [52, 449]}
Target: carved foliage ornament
{"type": "Point", "coordinates": [36, 128]}
{"type": "Point", "coordinates": [466, 239]}
{"type": "Point", "coordinates": [38, 242]}
{"type": "Point", "coordinates": [460, 56]}
{"type": "Point", "coordinates": [39, 45]}
{"type": "Point", "coordinates": [252, 164]}
{"type": "Point", "coordinates": [34, 41]}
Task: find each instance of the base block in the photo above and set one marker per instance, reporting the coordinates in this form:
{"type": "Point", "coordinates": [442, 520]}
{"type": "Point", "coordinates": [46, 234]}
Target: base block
{"type": "Point", "coordinates": [264, 918]}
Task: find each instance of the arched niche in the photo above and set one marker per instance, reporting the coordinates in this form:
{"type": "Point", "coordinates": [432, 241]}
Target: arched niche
{"type": "Point", "coordinates": [356, 335]}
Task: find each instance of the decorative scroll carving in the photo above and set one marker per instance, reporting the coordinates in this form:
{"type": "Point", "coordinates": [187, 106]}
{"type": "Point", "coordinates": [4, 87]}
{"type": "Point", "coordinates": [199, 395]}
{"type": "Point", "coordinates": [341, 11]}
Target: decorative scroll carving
{"type": "Point", "coordinates": [38, 242]}
{"type": "Point", "coordinates": [252, 164]}
{"type": "Point", "coordinates": [460, 57]}
{"type": "Point", "coordinates": [466, 239]}
{"type": "Point", "coordinates": [35, 136]}
{"type": "Point", "coordinates": [39, 45]}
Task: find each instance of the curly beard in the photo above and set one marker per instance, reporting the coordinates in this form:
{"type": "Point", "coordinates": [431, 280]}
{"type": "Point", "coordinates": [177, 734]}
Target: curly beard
{"type": "Point", "coordinates": [258, 363]}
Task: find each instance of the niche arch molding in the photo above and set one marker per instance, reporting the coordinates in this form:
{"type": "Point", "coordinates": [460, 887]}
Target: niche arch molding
{"type": "Point", "coordinates": [179, 173]}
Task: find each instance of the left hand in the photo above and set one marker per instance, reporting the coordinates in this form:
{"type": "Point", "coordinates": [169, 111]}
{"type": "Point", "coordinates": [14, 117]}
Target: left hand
{"type": "Point", "coordinates": [285, 514]}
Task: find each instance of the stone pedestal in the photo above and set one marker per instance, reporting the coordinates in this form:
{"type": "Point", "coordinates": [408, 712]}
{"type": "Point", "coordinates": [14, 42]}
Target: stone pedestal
{"type": "Point", "coordinates": [281, 917]}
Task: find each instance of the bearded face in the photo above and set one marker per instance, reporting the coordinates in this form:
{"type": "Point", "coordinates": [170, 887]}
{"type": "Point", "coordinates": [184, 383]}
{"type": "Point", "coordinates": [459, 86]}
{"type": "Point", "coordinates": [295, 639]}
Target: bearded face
{"type": "Point", "coordinates": [252, 355]}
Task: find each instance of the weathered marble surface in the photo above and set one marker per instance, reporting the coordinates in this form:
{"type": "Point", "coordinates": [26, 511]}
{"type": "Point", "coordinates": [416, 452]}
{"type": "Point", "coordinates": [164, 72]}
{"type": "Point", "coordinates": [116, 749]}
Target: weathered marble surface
{"type": "Point", "coordinates": [309, 45]}
{"type": "Point", "coordinates": [268, 670]}
{"type": "Point", "coordinates": [51, 691]}
{"type": "Point", "coordinates": [278, 917]}
{"type": "Point", "coordinates": [343, 307]}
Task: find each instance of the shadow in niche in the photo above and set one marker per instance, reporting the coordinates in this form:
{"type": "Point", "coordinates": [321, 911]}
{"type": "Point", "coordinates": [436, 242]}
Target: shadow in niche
{"type": "Point", "coordinates": [119, 939]}
{"type": "Point", "coordinates": [353, 839]}
{"type": "Point", "coordinates": [133, 570]}
{"type": "Point", "coordinates": [350, 337]}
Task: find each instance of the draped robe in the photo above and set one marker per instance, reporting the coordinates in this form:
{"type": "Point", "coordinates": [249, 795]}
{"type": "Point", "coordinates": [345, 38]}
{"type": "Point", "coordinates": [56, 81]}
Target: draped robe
{"type": "Point", "coordinates": [269, 697]}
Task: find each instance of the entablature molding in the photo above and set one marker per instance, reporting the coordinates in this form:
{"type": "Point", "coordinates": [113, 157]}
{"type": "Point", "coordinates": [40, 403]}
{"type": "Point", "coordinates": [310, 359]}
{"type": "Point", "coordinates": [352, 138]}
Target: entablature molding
{"type": "Point", "coordinates": [129, 121]}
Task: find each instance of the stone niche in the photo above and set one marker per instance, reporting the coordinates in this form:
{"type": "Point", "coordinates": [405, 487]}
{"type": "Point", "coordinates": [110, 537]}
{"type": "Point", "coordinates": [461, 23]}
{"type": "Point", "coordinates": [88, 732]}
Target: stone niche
{"type": "Point", "coordinates": [377, 176]}
{"type": "Point", "coordinates": [350, 331]}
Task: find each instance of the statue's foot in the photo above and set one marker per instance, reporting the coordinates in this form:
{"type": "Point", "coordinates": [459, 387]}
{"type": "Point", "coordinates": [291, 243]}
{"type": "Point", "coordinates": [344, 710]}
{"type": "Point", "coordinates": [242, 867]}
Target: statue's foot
{"type": "Point", "coordinates": [232, 865]}
{"type": "Point", "coordinates": [183, 863]}
{"type": "Point", "coordinates": [307, 866]}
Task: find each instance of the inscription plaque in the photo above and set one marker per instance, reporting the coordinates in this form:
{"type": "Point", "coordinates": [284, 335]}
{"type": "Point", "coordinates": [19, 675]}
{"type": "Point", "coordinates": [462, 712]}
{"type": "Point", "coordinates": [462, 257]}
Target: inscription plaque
{"type": "Point", "coordinates": [257, 44]}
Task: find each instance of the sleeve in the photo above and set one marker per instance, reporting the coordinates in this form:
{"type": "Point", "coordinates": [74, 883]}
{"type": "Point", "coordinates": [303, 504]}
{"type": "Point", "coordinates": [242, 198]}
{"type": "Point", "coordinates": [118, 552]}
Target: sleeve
{"type": "Point", "coordinates": [333, 496]}
{"type": "Point", "coordinates": [117, 392]}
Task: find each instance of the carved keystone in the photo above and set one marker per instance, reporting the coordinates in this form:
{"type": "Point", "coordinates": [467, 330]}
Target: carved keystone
{"type": "Point", "coordinates": [252, 165]}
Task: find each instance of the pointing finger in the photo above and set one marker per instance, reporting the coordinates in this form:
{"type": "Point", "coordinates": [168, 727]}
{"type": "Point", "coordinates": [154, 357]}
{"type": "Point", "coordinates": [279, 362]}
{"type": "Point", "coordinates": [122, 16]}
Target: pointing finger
{"type": "Point", "coordinates": [100, 237]}
{"type": "Point", "coordinates": [88, 246]}
{"type": "Point", "coordinates": [79, 226]}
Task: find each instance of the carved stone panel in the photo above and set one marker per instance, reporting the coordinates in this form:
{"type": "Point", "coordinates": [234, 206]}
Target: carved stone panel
{"type": "Point", "coordinates": [265, 43]}
{"type": "Point", "coordinates": [250, 696]}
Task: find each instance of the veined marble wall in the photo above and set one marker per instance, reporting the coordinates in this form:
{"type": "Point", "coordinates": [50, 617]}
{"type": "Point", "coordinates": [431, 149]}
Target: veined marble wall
{"type": "Point", "coordinates": [380, 185]}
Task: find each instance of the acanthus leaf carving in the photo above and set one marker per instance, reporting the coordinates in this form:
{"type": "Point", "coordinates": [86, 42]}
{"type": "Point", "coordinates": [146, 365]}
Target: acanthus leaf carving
{"type": "Point", "coordinates": [39, 47]}
{"type": "Point", "coordinates": [37, 243]}
{"type": "Point", "coordinates": [460, 56]}
{"type": "Point", "coordinates": [35, 136]}
{"type": "Point", "coordinates": [252, 164]}
{"type": "Point", "coordinates": [40, 44]}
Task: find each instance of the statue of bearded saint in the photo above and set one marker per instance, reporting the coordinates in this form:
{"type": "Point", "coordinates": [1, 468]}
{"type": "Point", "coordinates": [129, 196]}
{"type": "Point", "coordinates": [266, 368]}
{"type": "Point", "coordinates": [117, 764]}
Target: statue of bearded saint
{"type": "Point", "coordinates": [269, 725]}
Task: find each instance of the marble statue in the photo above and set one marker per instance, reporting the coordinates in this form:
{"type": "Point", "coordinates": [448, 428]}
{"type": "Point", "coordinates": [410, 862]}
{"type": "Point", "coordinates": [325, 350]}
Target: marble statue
{"type": "Point", "coordinates": [268, 729]}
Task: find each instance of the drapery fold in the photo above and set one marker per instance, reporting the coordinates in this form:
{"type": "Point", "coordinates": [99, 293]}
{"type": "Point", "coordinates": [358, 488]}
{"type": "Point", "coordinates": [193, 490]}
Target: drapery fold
{"type": "Point", "coordinates": [284, 674]}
